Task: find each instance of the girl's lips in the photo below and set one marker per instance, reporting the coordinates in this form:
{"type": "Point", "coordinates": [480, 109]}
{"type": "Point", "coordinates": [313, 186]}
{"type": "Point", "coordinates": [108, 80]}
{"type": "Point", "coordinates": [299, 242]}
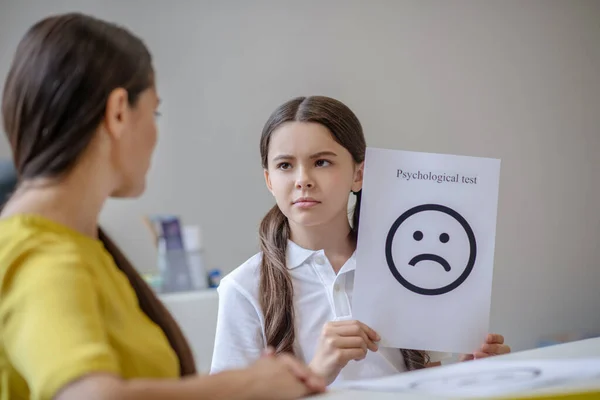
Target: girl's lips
{"type": "Point", "coordinates": [306, 203]}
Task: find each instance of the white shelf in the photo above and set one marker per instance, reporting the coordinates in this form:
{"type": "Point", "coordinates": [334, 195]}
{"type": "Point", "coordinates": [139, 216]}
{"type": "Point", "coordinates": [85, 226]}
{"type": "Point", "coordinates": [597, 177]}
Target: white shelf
{"type": "Point", "coordinates": [196, 314]}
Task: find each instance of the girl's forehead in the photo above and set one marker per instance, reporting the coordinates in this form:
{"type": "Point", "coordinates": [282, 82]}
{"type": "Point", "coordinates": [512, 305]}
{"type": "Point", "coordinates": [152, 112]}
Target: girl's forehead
{"type": "Point", "coordinates": [294, 136]}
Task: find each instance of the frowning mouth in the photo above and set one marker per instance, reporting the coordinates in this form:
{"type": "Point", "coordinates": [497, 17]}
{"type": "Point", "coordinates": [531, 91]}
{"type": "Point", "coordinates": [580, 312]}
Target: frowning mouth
{"type": "Point", "coordinates": [305, 202]}
{"type": "Point", "coordinates": [430, 257]}
{"type": "Point", "coordinates": [305, 199]}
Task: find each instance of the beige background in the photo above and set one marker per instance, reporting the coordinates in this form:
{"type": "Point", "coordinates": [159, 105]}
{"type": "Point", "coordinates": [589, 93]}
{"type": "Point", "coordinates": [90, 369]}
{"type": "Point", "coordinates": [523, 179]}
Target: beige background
{"type": "Point", "coordinates": [516, 80]}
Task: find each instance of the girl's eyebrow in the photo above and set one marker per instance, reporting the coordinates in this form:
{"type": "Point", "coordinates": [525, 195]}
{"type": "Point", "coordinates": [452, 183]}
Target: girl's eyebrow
{"type": "Point", "coordinates": [324, 153]}
{"type": "Point", "coordinates": [283, 157]}
{"type": "Point", "coordinates": [313, 156]}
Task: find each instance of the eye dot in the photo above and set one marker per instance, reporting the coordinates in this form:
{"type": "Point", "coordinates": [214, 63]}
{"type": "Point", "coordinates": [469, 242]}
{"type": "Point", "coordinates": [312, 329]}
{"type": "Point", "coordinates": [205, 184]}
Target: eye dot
{"type": "Point", "coordinates": [444, 237]}
{"type": "Point", "coordinates": [418, 235]}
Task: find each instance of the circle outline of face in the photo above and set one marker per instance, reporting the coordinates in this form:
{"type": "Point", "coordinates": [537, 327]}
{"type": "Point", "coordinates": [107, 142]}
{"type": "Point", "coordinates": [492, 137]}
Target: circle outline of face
{"type": "Point", "coordinates": [390, 258]}
{"type": "Point", "coordinates": [533, 373]}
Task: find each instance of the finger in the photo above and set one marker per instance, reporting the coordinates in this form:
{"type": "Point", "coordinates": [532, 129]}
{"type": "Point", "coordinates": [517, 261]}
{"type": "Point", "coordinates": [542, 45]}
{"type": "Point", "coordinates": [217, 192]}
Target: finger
{"type": "Point", "coordinates": [372, 346]}
{"type": "Point", "coordinates": [352, 354]}
{"type": "Point", "coordinates": [295, 366]}
{"type": "Point", "coordinates": [350, 342]}
{"type": "Point", "coordinates": [315, 383]}
{"type": "Point", "coordinates": [480, 354]}
{"type": "Point", "coordinates": [466, 357]}
{"type": "Point", "coordinates": [495, 349]}
{"type": "Point", "coordinates": [494, 338]}
{"type": "Point", "coordinates": [303, 373]}
{"type": "Point", "coordinates": [370, 332]}
{"type": "Point", "coordinates": [491, 348]}
{"type": "Point", "coordinates": [374, 336]}
{"type": "Point", "coordinates": [356, 330]}
{"type": "Point", "coordinates": [294, 387]}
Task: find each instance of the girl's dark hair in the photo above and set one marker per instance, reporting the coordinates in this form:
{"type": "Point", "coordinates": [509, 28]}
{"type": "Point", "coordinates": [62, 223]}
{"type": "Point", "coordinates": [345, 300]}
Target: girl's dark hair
{"type": "Point", "coordinates": [54, 99]}
{"type": "Point", "coordinates": [276, 288]}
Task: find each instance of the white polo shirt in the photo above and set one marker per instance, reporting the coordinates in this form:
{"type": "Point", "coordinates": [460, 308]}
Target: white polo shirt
{"type": "Point", "coordinates": [320, 296]}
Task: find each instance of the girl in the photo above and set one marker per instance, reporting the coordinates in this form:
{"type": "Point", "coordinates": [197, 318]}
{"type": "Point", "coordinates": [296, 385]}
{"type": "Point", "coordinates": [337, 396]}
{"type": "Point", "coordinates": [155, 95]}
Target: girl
{"type": "Point", "coordinates": [78, 322]}
{"type": "Point", "coordinates": [295, 295]}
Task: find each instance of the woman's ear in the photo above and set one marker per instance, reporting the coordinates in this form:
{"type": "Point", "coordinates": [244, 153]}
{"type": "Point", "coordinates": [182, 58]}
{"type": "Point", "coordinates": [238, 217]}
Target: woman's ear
{"type": "Point", "coordinates": [117, 113]}
{"type": "Point", "coordinates": [358, 177]}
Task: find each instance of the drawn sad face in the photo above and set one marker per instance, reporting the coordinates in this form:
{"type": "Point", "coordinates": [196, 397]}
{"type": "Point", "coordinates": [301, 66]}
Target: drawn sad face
{"type": "Point", "coordinates": [431, 249]}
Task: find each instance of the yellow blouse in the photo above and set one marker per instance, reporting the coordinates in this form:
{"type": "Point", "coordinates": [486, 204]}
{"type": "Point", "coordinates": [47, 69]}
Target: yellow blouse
{"type": "Point", "coordinates": [66, 310]}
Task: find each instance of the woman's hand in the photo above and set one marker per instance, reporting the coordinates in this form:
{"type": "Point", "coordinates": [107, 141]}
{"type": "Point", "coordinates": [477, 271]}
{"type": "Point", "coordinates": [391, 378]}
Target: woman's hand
{"type": "Point", "coordinates": [285, 377]}
{"type": "Point", "coordinates": [340, 342]}
{"type": "Point", "coordinates": [493, 346]}
{"type": "Point", "coordinates": [271, 377]}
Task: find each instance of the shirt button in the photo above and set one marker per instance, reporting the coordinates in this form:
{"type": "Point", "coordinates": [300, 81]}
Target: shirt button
{"type": "Point", "coordinates": [320, 260]}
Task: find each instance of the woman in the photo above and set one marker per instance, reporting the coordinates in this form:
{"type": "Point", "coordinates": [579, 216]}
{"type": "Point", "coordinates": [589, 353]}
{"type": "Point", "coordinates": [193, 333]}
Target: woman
{"type": "Point", "coordinates": [77, 320]}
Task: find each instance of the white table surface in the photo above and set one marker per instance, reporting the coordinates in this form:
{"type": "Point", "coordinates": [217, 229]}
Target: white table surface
{"type": "Point", "coordinates": [579, 349]}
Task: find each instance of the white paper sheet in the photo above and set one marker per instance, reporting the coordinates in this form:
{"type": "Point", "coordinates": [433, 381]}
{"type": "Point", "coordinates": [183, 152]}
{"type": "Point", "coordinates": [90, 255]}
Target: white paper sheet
{"type": "Point", "coordinates": [426, 249]}
{"type": "Point", "coordinates": [485, 378]}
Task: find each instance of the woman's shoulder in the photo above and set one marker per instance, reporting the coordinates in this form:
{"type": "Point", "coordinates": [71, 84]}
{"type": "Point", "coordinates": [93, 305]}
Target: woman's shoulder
{"type": "Point", "coordinates": [31, 238]}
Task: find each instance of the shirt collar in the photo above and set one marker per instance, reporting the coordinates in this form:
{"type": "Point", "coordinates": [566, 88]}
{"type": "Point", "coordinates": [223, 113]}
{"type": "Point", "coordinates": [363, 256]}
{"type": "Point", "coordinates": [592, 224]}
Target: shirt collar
{"type": "Point", "coordinates": [296, 256]}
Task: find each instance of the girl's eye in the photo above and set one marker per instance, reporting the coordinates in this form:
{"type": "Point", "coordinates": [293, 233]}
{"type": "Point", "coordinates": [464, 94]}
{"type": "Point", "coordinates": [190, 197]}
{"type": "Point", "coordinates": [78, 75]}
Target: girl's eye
{"type": "Point", "coordinates": [284, 166]}
{"type": "Point", "coordinates": [322, 163]}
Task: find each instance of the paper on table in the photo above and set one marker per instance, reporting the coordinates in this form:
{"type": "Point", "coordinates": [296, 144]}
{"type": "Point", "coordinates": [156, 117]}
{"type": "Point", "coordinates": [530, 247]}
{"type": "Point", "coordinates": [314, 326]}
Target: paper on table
{"type": "Point", "coordinates": [425, 250]}
{"type": "Point", "coordinates": [485, 378]}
